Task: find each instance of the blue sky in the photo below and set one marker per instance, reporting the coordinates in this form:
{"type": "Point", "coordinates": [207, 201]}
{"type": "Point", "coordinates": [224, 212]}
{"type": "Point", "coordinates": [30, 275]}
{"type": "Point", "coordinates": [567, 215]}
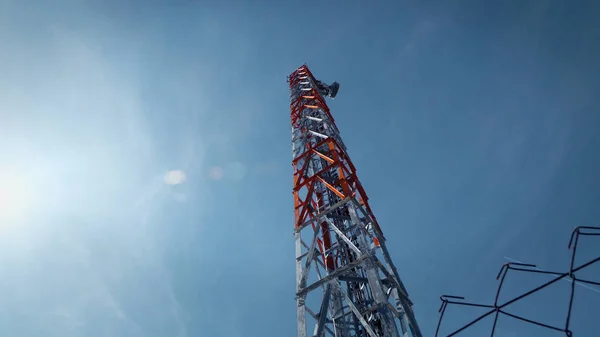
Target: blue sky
{"type": "Point", "coordinates": [473, 127]}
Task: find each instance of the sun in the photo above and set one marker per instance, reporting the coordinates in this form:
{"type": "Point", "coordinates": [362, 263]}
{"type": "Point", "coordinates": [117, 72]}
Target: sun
{"type": "Point", "coordinates": [15, 196]}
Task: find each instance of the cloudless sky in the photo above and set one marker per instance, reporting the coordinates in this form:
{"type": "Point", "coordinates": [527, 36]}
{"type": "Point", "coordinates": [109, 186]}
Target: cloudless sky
{"type": "Point", "coordinates": [473, 125]}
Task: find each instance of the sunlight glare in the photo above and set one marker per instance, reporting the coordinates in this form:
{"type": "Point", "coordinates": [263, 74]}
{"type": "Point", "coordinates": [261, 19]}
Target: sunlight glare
{"type": "Point", "coordinates": [15, 195]}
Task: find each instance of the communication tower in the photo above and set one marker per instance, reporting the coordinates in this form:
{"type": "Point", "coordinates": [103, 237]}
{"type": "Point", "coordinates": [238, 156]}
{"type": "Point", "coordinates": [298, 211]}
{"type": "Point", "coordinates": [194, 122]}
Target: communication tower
{"type": "Point", "coordinates": [347, 284]}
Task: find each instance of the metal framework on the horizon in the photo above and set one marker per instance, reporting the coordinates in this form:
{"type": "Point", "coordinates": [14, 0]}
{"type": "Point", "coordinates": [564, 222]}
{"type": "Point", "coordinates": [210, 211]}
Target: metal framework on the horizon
{"type": "Point", "coordinates": [347, 284]}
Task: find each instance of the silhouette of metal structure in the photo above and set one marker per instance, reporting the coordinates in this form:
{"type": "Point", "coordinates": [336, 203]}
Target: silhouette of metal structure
{"type": "Point", "coordinates": [496, 308]}
{"type": "Point", "coordinates": [346, 281]}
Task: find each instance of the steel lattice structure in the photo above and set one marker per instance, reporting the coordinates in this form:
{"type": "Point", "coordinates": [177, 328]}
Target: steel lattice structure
{"type": "Point", "coordinates": [498, 308]}
{"type": "Point", "coordinates": [346, 281]}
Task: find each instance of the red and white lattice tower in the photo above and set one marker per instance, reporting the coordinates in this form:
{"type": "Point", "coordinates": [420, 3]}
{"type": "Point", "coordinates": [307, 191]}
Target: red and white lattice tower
{"type": "Point", "coordinates": [346, 282]}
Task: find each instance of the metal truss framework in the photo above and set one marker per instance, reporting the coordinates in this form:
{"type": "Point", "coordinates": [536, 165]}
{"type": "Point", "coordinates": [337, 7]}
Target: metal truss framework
{"type": "Point", "coordinates": [500, 308]}
{"type": "Point", "coordinates": [341, 257]}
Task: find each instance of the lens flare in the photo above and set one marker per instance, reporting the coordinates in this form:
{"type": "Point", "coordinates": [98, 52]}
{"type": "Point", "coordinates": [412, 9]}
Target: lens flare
{"type": "Point", "coordinates": [175, 177]}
